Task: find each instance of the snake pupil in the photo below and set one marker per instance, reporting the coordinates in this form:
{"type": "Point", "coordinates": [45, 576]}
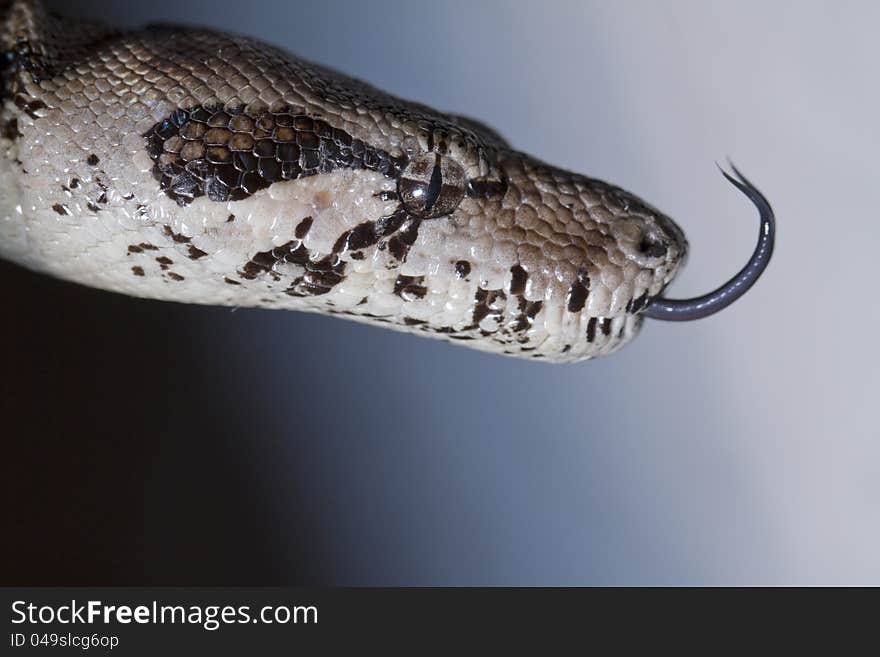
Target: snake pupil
{"type": "Point", "coordinates": [435, 185]}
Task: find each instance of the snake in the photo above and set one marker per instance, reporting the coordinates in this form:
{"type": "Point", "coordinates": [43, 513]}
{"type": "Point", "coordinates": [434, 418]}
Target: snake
{"type": "Point", "coordinates": [190, 165]}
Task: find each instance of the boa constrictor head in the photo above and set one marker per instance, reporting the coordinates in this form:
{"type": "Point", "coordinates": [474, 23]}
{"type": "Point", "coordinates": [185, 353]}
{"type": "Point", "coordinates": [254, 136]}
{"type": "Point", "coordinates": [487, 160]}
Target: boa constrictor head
{"type": "Point", "coordinates": [195, 166]}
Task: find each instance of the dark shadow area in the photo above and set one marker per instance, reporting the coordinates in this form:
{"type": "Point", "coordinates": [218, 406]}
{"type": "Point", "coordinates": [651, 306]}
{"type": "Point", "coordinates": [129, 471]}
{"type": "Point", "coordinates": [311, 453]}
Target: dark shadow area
{"type": "Point", "coordinates": [127, 455]}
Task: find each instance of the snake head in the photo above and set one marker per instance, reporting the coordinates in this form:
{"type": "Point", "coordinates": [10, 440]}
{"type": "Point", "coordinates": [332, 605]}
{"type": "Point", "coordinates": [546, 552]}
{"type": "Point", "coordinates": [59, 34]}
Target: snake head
{"type": "Point", "coordinates": [571, 265]}
{"type": "Point", "coordinates": [190, 165]}
{"type": "Point", "coordinates": [545, 263]}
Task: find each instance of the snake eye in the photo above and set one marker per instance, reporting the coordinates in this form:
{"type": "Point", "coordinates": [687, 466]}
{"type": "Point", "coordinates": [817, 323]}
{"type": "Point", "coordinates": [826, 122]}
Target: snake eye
{"type": "Point", "coordinates": [431, 185]}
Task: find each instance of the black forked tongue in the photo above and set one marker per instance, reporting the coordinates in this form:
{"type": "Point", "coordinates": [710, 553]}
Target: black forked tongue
{"type": "Point", "coordinates": [679, 310]}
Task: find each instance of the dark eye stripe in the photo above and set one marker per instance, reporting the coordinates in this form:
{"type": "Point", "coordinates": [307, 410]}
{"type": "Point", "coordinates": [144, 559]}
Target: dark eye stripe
{"type": "Point", "coordinates": [227, 154]}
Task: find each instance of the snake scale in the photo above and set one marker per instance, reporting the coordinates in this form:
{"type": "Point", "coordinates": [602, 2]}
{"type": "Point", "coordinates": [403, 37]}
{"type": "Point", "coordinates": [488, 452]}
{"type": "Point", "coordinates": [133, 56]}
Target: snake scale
{"type": "Point", "coordinates": [195, 166]}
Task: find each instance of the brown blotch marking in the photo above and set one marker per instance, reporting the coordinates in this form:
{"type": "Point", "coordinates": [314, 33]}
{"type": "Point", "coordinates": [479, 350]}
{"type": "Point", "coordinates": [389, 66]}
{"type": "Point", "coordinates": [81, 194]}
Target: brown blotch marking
{"type": "Point", "coordinates": [146, 246]}
{"type": "Point", "coordinates": [94, 208]}
{"type": "Point", "coordinates": [92, 160]}
{"type": "Point", "coordinates": [30, 108]}
{"type": "Point", "coordinates": [483, 302]}
{"type": "Point", "coordinates": [409, 288]}
{"type": "Point", "coordinates": [606, 326]}
{"type": "Point", "coordinates": [250, 270]}
{"type": "Point", "coordinates": [61, 209]}
{"type": "Point", "coordinates": [175, 277]}
{"type": "Point", "coordinates": [134, 248]}
{"type": "Point", "coordinates": [487, 188]}
{"type": "Point", "coordinates": [228, 154]}
{"type": "Point", "coordinates": [195, 254]}
{"type": "Point", "coordinates": [591, 329]}
{"type": "Point", "coordinates": [177, 237]}
{"type": "Point", "coordinates": [263, 261]}
{"type": "Point", "coordinates": [137, 271]}
{"type": "Point", "coordinates": [319, 278]}
{"type": "Point", "coordinates": [400, 244]}
{"type": "Point", "coordinates": [533, 308]}
{"type": "Point", "coordinates": [357, 255]}
{"type": "Point", "coordinates": [302, 228]}
{"type": "Point", "coordinates": [74, 183]}
{"type": "Point", "coordinates": [528, 310]}
{"type": "Point", "coordinates": [481, 308]}
{"type": "Point", "coordinates": [412, 321]}
{"type": "Point", "coordinates": [579, 292]}
{"type": "Point", "coordinates": [369, 233]}
{"type": "Point", "coordinates": [230, 281]}
{"type": "Point", "coordinates": [637, 304]}
{"type": "Point", "coordinates": [363, 301]}
{"type": "Point", "coordinates": [230, 218]}
{"type": "Point", "coordinates": [462, 268]}
{"type": "Point", "coordinates": [518, 279]}
{"type": "Point", "coordinates": [566, 349]}
{"type": "Point", "coordinates": [359, 237]}
{"type": "Point", "coordinates": [577, 297]}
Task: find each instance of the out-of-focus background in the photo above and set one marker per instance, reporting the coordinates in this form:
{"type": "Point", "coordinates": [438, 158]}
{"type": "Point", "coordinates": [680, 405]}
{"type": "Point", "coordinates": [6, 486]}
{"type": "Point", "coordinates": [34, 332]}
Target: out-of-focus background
{"type": "Point", "coordinates": [154, 443]}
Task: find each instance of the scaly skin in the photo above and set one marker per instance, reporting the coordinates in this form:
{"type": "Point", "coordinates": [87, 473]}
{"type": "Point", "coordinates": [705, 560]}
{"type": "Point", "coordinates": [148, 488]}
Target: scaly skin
{"type": "Point", "coordinates": [194, 166]}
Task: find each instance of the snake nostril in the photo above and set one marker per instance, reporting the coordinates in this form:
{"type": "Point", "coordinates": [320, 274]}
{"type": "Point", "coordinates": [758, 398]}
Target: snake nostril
{"type": "Point", "coordinates": [652, 246]}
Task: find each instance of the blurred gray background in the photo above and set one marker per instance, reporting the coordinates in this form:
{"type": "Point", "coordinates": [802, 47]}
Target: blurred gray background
{"type": "Point", "coordinates": [278, 448]}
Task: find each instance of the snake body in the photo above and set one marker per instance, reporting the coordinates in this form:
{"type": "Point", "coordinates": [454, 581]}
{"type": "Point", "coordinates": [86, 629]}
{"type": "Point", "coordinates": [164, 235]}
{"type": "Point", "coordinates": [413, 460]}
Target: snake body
{"type": "Point", "coordinates": [195, 166]}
